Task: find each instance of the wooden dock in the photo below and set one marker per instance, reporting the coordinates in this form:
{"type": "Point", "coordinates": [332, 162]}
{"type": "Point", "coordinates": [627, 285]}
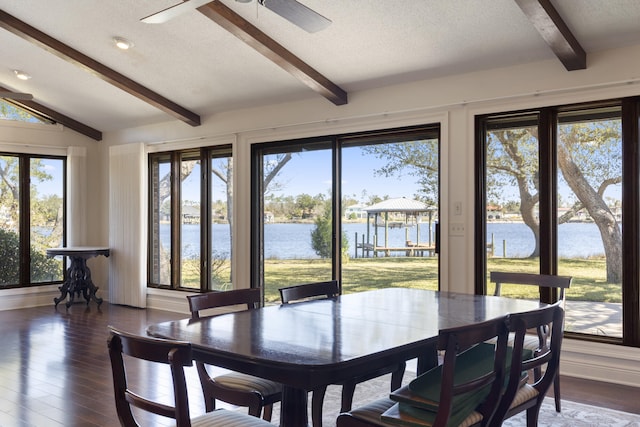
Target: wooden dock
{"type": "Point", "coordinates": [368, 249]}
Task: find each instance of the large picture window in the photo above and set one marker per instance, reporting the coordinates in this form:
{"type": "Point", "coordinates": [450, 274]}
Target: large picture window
{"type": "Point", "coordinates": [190, 219]}
{"type": "Point", "coordinates": [32, 207]}
{"type": "Point", "coordinates": [551, 201]}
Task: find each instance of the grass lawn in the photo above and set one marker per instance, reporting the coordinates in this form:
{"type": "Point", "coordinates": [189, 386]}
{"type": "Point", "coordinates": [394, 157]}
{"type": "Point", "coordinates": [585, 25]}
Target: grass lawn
{"type": "Point", "coordinates": [363, 274]}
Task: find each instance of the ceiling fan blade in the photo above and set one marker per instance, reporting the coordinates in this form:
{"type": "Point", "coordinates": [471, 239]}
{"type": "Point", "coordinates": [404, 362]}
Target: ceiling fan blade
{"type": "Point", "coordinates": [298, 14]}
{"type": "Point", "coordinates": [173, 11]}
{"type": "Point", "coordinates": [16, 96]}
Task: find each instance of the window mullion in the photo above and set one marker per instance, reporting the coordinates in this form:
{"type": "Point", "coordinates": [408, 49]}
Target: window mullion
{"type": "Point", "coordinates": [548, 197]}
{"type": "Point", "coordinates": [176, 242]}
{"type": "Point", "coordinates": [205, 220]}
{"type": "Point", "coordinates": [631, 222]}
{"type": "Point", "coordinates": [25, 220]}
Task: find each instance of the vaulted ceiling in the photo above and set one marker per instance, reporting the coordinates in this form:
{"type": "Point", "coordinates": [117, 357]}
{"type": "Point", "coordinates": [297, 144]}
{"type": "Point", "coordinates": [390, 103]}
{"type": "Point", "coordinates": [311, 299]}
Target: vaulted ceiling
{"type": "Point", "coordinates": [228, 55]}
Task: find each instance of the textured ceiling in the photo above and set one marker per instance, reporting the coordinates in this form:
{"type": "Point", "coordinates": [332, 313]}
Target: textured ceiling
{"type": "Point", "coordinates": [200, 66]}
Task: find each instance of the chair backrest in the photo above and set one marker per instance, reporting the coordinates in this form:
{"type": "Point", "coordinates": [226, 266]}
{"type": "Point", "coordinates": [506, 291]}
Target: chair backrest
{"type": "Point", "coordinates": [530, 279]}
{"type": "Point", "coordinates": [250, 297]}
{"type": "Point", "coordinates": [545, 359]}
{"type": "Point", "coordinates": [485, 382]}
{"type": "Point", "coordinates": [174, 353]}
{"type": "Point", "coordinates": [328, 289]}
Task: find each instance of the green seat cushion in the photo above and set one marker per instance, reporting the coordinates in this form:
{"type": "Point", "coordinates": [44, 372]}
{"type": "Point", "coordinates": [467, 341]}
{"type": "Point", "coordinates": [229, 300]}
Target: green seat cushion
{"type": "Point", "coordinates": [421, 398]}
{"type": "Point", "coordinates": [424, 391]}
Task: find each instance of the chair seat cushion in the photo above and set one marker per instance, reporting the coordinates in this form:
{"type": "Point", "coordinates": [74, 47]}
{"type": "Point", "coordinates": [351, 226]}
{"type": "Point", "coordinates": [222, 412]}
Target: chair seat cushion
{"type": "Point", "coordinates": [371, 412]}
{"type": "Point", "coordinates": [227, 418]}
{"type": "Point", "coordinates": [406, 415]}
{"type": "Point", "coordinates": [524, 394]}
{"type": "Point", "coordinates": [244, 382]}
{"type": "Point", "coordinates": [424, 391]}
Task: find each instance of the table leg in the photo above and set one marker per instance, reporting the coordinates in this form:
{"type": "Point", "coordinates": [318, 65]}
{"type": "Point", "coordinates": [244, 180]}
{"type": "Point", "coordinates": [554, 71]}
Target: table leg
{"type": "Point", "coordinates": [293, 410]}
{"type": "Point", "coordinates": [90, 289]}
{"type": "Point", "coordinates": [78, 281]}
{"type": "Point", "coordinates": [428, 360]}
{"type": "Point", "coordinates": [64, 291]}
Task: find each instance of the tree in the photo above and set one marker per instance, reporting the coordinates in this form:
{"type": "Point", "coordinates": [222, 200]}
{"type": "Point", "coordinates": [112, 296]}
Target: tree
{"type": "Point", "coordinates": [417, 158]}
{"type": "Point", "coordinates": [589, 156]}
{"type": "Point", "coordinates": [305, 205]}
{"type": "Point", "coordinates": [322, 234]}
{"type": "Point", "coordinates": [589, 159]}
{"type": "Point", "coordinates": [11, 112]}
{"type": "Point", "coordinates": [508, 162]}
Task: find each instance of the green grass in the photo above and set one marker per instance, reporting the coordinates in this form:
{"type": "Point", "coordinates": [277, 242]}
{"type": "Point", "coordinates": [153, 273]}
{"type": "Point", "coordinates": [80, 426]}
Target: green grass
{"type": "Point", "coordinates": [363, 274]}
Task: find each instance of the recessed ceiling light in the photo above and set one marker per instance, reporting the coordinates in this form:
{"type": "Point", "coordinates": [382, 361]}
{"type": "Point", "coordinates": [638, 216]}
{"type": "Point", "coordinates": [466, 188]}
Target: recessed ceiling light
{"type": "Point", "coordinates": [21, 75]}
{"type": "Point", "coordinates": [123, 44]}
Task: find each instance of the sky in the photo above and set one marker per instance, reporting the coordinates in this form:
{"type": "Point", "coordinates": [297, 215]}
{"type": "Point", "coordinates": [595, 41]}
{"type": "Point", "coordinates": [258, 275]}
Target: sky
{"type": "Point", "coordinates": [310, 172]}
{"type": "Point", "coordinates": [54, 186]}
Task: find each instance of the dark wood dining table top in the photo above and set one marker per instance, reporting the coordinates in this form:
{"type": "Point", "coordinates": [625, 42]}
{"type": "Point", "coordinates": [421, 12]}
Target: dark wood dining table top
{"type": "Point", "coordinates": [310, 344]}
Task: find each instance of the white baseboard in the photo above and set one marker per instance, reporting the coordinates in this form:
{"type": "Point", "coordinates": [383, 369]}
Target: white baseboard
{"type": "Point", "coordinates": [37, 296]}
{"type": "Point", "coordinates": [601, 362]}
{"type": "Point", "coordinates": [162, 299]}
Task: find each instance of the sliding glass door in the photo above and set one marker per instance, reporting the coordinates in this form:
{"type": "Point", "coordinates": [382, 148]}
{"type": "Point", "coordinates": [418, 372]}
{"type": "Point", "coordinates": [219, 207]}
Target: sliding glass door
{"type": "Point", "coordinates": [359, 208]}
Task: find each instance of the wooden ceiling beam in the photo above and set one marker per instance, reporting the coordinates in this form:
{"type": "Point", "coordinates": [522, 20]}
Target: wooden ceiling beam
{"type": "Point", "coordinates": [241, 28]}
{"type": "Point", "coordinates": [49, 114]}
{"type": "Point", "coordinates": [546, 19]}
{"type": "Point", "coordinates": [61, 50]}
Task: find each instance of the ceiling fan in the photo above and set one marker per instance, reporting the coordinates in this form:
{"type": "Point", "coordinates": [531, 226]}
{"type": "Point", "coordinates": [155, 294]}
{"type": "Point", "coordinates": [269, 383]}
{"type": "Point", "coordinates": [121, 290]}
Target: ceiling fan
{"type": "Point", "coordinates": [291, 10]}
{"type": "Point", "coordinates": [15, 96]}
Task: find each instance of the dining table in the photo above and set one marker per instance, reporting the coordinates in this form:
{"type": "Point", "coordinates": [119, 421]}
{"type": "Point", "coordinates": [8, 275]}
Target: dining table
{"type": "Point", "coordinates": [311, 344]}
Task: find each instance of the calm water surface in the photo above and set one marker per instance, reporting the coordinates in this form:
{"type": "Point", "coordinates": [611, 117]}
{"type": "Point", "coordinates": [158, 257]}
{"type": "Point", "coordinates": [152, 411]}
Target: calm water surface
{"type": "Point", "coordinates": [293, 241]}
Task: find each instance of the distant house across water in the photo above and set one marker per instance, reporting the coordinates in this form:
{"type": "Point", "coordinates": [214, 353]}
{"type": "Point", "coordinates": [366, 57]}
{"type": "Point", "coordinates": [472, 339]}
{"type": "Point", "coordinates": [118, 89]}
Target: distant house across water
{"type": "Point", "coordinates": [355, 212]}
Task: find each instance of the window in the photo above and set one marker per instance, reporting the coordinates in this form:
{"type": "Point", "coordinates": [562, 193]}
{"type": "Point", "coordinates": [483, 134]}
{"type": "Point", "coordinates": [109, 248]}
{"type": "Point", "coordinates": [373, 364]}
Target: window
{"type": "Point", "coordinates": [190, 221]}
{"type": "Point", "coordinates": [8, 111]}
{"type": "Point", "coordinates": [358, 208]}
{"type": "Point", "coordinates": [32, 204]}
{"type": "Point", "coordinates": [552, 201]}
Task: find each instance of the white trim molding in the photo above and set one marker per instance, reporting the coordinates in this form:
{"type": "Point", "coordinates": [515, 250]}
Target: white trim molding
{"type": "Point", "coordinates": [600, 362]}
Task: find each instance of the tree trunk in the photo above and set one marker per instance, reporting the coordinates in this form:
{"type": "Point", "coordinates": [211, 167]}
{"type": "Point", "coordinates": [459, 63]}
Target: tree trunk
{"type": "Point", "coordinates": [598, 210]}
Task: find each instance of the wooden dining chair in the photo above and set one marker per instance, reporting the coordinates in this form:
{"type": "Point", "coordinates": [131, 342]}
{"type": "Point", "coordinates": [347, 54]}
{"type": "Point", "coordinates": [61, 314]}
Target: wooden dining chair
{"type": "Point", "coordinates": [529, 397]}
{"type": "Point", "coordinates": [561, 283]}
{"type": "Point", "coordinates": [177, 355]}
{"type": "Point", "coordinates": [464, 390]}
{"type": "Point", "coordinates": [234, 387]}
{"type": "Point", "coordinates": [330, 289]}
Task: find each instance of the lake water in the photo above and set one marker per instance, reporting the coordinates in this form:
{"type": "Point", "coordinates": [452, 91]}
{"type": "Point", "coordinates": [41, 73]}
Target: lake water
{"type": "Point", "coordinates": [293, 241]}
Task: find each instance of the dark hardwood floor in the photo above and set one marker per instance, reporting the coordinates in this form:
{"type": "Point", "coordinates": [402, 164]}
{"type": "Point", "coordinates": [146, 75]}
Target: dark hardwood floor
{"type": "Point", "coordinates": [55, 370]}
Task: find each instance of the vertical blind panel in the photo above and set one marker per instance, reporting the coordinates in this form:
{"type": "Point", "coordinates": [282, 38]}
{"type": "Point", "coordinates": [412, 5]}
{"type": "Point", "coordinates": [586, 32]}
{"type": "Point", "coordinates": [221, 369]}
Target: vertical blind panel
{"type": "Point", "coordinates": [76, 196]}
{"type": "Point", "coordinates": [127, 225]}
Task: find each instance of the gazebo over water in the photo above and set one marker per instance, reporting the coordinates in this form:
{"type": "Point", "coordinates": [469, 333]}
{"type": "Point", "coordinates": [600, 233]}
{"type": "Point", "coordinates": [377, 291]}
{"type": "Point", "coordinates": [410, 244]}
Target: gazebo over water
{"type": "Point", "coordinates": [393, 213]}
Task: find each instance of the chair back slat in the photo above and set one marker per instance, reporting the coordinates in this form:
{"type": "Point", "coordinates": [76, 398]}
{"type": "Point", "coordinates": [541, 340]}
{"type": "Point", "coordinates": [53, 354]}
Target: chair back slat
{"type": "Point", "coordinates": [250, 297]}
{"type": "Point", "coordinates": [530, 279]}
{"type": "Point", "coordinates": [328, 289]}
